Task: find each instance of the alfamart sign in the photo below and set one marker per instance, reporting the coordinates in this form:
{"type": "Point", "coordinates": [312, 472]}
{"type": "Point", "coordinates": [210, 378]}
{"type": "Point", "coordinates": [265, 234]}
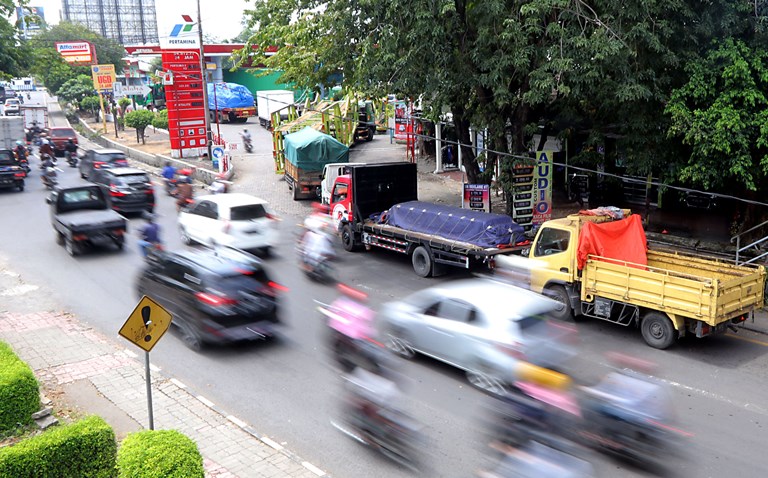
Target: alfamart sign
{"type": "Point", "coordinates": [77, 52]}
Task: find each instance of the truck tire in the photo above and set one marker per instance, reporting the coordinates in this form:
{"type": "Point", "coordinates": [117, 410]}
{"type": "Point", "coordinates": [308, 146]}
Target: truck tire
{"type": "Point", "coordinates": [422, 261]}
{"type": "Point", "coordinates": [657, 330]}
{"type": "Point", "coordinates": [348, 238]}
{"type": "Point", "coordinates": [295, 193]}
{"type": "Point", "coordinates": [558, 293]}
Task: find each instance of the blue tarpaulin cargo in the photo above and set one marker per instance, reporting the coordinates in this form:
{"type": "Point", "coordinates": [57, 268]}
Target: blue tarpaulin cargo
{"type": "Point", "coordinates": [454, 223]}
{"type": "Point", "coordinates": [229, 95]}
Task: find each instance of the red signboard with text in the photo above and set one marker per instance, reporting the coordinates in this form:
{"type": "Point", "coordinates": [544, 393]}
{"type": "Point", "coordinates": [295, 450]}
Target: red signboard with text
{"type": "Point", "coordinates": [185, 102]}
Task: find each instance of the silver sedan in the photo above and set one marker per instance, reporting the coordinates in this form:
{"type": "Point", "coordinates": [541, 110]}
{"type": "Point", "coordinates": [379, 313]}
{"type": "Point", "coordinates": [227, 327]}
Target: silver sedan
{"type": "Point", "coordinates": [481, 326]}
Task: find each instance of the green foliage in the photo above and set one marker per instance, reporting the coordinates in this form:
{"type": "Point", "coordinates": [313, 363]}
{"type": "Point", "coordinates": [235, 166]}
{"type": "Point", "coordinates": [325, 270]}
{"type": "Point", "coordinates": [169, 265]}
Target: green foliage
{"type": "Point", "coordinates": [108, 51]}
{"type": "Point", "coordinates": [86, 449]}
{"type": "Point", "coordinates": [14, 53]}
{"type": "Point", "coordinates": [161, 119]}
{"type": "Point", "coordinates": [50, 68]}
{"type": "Point", "coordinates": [139, 119]}
{"type": "Point", "coordinates": [721, 114]}
{"type": "Point", "coordinates": [19, 391]}
{"type": "Point", "coordinates": [159, 454]}
{"type": "Point", "coordinates": [124, 102]}
{"type": "Point", "coordinates": [90, 103]}
{"type": "Point", "coordinates": [76, 88]}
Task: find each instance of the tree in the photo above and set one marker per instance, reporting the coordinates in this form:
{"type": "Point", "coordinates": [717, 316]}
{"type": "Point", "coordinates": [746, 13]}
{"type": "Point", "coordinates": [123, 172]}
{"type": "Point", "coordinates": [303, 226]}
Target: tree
{"type": "Point", "coordinates": [139, 119]}
{"type": "Point", "coordinates": [108, 51]}
{"type": "Point", "coordinates": [76, 89]}
{"type": "Point", "coordinates": [161, 119]}
{"type": "Point", "coordinates": [49, 67]}
{"type": "Point", "coordinates": [90, 103]}
{"type": "Point", "coordinates": [721, 115]}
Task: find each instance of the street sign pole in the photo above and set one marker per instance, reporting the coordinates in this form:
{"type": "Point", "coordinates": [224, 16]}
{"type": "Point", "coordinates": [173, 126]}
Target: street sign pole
{"type": "Point", "coordinates": [149, 391]}
{"type": "Point", "coordinates": [204, 78]}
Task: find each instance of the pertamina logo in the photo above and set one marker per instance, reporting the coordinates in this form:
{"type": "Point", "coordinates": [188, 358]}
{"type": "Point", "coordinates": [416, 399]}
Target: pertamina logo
{"type": "Point", "coordinates": [182, 33]}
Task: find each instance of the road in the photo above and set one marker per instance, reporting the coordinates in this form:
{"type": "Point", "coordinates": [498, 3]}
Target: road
{"type": "Point", "coordinates": [288, 390]}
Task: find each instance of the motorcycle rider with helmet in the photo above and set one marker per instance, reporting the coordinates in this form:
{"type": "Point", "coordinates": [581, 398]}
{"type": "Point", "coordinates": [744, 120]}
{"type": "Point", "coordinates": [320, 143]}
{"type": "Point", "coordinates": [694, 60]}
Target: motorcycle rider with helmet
{"type": "Point", "coordinates": [46, 148]}
{"type": "Point", "coordinates": [247, 144]}
{"type": "Point", "coordinates": [184, 191]}
{"type": "Point", "coordinates": [20, 151]}
{"type": "Point", "coordinates": [149, 235]}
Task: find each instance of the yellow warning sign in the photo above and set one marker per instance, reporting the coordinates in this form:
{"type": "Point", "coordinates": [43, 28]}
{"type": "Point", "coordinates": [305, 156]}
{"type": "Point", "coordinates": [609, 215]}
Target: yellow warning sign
{"type": "Point", "coordinates": [146, 324]}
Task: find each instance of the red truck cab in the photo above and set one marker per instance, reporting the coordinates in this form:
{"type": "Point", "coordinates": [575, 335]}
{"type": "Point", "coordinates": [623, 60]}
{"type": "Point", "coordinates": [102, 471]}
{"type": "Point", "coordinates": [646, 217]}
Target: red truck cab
{"type": "Point", "coordinates": [341, 199]}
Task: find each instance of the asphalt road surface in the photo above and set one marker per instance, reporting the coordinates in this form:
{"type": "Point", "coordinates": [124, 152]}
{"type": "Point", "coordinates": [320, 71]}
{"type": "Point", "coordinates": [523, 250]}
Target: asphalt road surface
{"type": "Point", "coordinates": [288, 390]}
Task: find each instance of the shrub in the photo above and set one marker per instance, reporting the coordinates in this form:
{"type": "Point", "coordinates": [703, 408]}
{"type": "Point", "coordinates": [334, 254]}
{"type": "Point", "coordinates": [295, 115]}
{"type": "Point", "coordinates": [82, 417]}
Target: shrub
{"type": "Point", "coordinates": [86, 449]}
{"type": "Point", "coordinates": [124, 102]}
{"type": "Point", "coordinates": [139, 119]}
{"type": "Point", "coordinates": [19, 391]}
{"type": "Point", "coordinates": [90, 103]}
{"type": "Point", "coordinates": [161, 119]}
{"type": "Point", "coordinates": [159, 454]}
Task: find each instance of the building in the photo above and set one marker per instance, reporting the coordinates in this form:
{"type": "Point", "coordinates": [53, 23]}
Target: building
{"type": "Point", "coordinates": [30, 20]}
{"type": "Point", "coordinates": [129, 22]}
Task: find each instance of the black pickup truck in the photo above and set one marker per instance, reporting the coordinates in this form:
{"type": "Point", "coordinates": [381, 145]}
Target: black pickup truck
{"type": "Point", "coordinates": [11, 173]}
{"type": "Point", "coordinates": [82, 216]}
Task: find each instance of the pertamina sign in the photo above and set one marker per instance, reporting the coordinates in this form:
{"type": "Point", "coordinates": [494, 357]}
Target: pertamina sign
{"type": "Point", "coordinates": [103, 77]}
{"type": "Point", "coordinates": [77, 52]}
{"type": "Point", "coordinates": [182, 36]}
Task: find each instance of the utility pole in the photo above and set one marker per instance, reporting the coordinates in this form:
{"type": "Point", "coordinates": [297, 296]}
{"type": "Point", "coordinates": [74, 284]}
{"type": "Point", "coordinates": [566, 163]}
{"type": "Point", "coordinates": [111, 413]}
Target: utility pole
{"type": "Point", "coordinates": [204, 79]}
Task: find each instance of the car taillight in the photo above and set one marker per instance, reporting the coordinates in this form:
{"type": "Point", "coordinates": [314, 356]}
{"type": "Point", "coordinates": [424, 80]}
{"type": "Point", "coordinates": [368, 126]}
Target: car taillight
{"type": "Point", "coordinates": [271, 216]}
{"type": "Point", "coordinates": [273, 288]}
{"type": "Point", "coordinates": [98, 164]}
{"type": "Point", "coordinates": [20, 175]}
{"type": "Point", "coordinates": [114, 192]}
{"type": "Point", "coordinates": [214, 300]}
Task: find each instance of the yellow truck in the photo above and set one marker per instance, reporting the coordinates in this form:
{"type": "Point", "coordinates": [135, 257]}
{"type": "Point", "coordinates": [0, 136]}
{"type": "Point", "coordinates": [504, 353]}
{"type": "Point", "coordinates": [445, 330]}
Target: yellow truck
{"type": "Point", "coordinates": [668, 296]}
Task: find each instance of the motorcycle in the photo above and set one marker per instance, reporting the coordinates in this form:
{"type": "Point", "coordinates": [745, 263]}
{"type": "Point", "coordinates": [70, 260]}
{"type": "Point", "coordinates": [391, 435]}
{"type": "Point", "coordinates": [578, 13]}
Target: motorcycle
{"type": "Point", "coordinates": [50, 177]}
{"type": "Point", "coordinates": [348, 337]}
{"type": "Point", "coordinates": [72, 158]}
{"type": "Point", "coordinates": [247, 143]}
{"type": "Point", "coordinates": [219, 186]}
{"type": "Point", "coordinates": [317, 264]}
{"type": "Point", "coordinates": [170, 186]}
{"type": "Point", "coordinates": [24, 163]}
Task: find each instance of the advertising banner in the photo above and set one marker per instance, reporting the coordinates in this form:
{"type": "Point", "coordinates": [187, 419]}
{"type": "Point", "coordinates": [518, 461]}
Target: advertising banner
{"type": "Point", "coordinates": [77, 52]}
{"type": "Point", "coordinates": [185, 102]}
{"type": "Point", "coordinates": [103, 77]}
{"type": "Point", "coordinates": [542, 207]}
{"type": "Point", "coordinates": [477, 197]}
{"type": "Point", "coordinates": [523, 193]}
{"type": "Point", "coordinates": [401, 120]}
{"type": "Point", "coordinates": [31, 24]}
{"type": "Point", "coordinates": [180, 34]}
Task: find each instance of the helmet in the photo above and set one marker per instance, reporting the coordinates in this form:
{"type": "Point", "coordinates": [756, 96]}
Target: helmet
{"type": "Point", "coordinates": [45, 141]}
{"type": "Point", "coordinates": [19, 143]}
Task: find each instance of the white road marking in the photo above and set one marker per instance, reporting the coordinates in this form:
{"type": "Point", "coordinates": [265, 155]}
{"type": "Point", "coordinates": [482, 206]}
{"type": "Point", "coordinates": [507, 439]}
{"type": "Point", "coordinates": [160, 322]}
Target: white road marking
{"type": "Point", "coordinates": [748, 406]}
{"type": "Point", "coordinates": [236, 421]}
{"type": "Point", "coordinates": [178, 383]}
{"type": "Point", "coordinates": [272, 444]}
{"type": "Point", "coordinates": [205, 401]}
{"type": "Point", "coordinates": [312, 468]}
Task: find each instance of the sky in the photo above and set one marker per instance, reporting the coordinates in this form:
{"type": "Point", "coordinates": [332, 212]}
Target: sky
{"type": "Point", "coordinates": [220, 18]}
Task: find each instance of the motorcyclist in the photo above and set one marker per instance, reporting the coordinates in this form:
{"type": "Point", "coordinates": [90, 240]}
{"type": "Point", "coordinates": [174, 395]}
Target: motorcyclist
{"type": "Point", "coordinates": [184, 191]}
{"type": "Point", "coordinates": [70, 147]}
{"type": "Point", "coordinates": [49, 170]}
{"type": "Point", "coordinates": [168, 173]}
{"type": "Point", "coordinates": [350, 321]}
{"type": "Point", "coordinates": [219, 185]}
{"type": "Point", "coordinates": [316, 247]}
{"type": "Point", "coordinates": [46, 148]}
{"type": "Point", "coordinates": [246, 135]}
{"type": "Point", "coordinates": [20, 151]}
{"type": "Point", "coordinates": [149, 235]}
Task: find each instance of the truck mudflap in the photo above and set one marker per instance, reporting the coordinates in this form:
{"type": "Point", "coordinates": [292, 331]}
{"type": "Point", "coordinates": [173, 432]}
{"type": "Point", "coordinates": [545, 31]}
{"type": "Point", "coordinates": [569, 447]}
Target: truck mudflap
{"type": "Point", "coordinates": [702, 329]}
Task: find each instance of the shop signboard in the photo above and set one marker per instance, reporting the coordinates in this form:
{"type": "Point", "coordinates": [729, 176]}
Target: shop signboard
{"type": "Point", "coordinates": [77, 52]}
{"type": "Point", "coordinates": [542, 204]}
{"type": "Point", "coordinates": [523, 193]}
{"type": "Point", "coordinates": [401, 120]}
{"type": "Point", "coordinates": [103, 77]}
{"type": "Point", "coordinates": [184, 101]}
{"type": "Point", "coordinates": [477, 197]}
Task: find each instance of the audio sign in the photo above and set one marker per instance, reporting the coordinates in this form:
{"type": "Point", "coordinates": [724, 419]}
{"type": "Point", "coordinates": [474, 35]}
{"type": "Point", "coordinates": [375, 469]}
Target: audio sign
{"type": "Point", "coordinates": [543, 191]}
{"type": "Point", "coordinates": [522, 194]}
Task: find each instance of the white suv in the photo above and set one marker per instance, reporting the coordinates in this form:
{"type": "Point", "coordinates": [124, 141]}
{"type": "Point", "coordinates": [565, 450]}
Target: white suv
{"type": "Point", "coordinates": [11, 107]}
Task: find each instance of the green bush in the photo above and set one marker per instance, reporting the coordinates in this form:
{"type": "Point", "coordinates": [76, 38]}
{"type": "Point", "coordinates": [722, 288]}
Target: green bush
{"type": "Point", "coordinates": [19, 391]}
{"type": "Point", "coordinates": [159, 454]}
{"type": "Point", "coordinates": [85, 449]}
{"type": "Point", "coordinates": [139, 119]}
{"type": "Point", "coordinates": [124, 102]}
{"type": "Point", "coordinates": [90, 103]}
{"type": "Point", "coordinates": [161, 119]}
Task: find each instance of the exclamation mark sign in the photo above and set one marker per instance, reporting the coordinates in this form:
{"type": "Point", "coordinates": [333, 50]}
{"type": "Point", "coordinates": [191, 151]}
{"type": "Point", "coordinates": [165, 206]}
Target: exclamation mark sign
{"type": "Point", "coordinates": [145, 316]}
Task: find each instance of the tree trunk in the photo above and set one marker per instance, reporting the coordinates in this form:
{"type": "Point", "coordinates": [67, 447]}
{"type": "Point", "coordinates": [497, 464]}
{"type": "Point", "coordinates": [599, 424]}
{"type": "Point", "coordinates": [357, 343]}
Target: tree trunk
{"type": "Point", "coordinates": [467, 152]}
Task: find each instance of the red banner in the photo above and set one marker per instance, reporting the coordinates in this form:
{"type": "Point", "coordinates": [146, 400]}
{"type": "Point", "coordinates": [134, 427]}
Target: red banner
{"type": "Point", "coordinates": [184, 100]}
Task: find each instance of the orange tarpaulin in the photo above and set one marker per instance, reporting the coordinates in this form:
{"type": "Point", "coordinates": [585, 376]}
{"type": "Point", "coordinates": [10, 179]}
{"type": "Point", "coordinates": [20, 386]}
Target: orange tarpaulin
{"type": "Point", "coordinates": [622, 240]}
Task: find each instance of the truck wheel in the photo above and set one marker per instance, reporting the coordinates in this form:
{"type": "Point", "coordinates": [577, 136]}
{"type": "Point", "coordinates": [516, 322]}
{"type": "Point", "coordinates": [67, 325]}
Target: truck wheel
{"type": "Point", "coordinates": [422, 261]}
{"type": "Point", "coordinates": [558, 293]}
{"type": "Point", "coordinates": [657, 330]}
{"type": "Point", "coordinates": [295, 193]}
{"type": "Point", "coordinates": [348, 238]}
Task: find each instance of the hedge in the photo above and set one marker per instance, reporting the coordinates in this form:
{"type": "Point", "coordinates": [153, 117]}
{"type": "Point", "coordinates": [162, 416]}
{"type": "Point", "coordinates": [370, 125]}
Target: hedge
{"type": "Point", "coordinates": [84, 449]}
{"type": "Point", "coordinates": [19, 391]}
{"type": "Point", "coordinates": [159, 454]}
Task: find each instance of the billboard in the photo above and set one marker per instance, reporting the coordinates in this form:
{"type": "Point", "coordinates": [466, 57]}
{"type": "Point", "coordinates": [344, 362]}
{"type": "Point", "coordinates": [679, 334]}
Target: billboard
{"type": "Point", "coordinates": [77, 52]}
{"type": "Point", "coordinates": [179, 35]}
{"type": "Point", "coordinates": [103, 77]}
{"type": "Point", "coordinates": [32, 24]}
{"type": "Point", "coordinates": [542, 202]}
{"type": "Point", "coordinates": [185, 102]}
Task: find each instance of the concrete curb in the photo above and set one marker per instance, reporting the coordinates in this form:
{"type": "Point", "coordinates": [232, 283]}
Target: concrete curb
{"type": "Point", "coordinates": [201, 174]}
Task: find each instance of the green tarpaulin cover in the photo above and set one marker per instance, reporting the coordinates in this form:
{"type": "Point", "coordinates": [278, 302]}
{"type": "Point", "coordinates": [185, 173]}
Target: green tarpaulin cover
{"type": "Point", "coordinates": [310, 150]}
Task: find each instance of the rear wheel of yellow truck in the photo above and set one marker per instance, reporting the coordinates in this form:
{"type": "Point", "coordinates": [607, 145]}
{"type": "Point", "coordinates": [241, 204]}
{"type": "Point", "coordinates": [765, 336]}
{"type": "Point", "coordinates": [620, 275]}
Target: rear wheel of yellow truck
{"type": "Point", "coordinates": [563, 311]}
{"type": "Point", "coordinates": [657, 330]}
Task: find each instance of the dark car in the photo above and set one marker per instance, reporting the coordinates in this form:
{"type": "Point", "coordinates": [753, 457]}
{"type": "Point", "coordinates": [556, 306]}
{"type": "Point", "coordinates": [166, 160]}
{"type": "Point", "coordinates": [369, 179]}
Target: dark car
{"type": "Point", "coordinates": [59, 136]}
{"type": "Point", "coordinates": [129, 189]}
{"type": "Point", "coordinates": [213, 297]}
{"type": "Point", "coordinates": [101, 159]}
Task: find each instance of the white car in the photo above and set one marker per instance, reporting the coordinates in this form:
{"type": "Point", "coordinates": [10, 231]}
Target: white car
{"type": "Point", "coordinates": [484, 327]}
{"type": "Point", "coordinates": [236, 220]}
{"type": "Point", "coordinates": [11, 107]}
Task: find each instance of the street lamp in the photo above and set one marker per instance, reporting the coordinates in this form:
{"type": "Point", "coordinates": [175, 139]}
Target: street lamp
{"type": "Point", "coordinates": [204, 79]}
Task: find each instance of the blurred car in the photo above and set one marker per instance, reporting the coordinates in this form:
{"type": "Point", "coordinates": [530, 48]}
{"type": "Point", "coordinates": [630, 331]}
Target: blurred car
{"type": "Point", "coordinates": [129, 189]}
{"type": "Point", "coordinates": [481, 326]}
{"type": "Point", "coordinates": [11, 107]}
{"type": "Point", "coordinates": [237, 220]}
{"type": "Point", "coordinates": [101, 159]}
{"type": "Point", "coordinates": [58, 136]}
{"type": "Point", "coordinates": [214, 298]}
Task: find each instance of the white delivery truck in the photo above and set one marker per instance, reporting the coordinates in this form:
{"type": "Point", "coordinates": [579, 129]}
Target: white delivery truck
{"type": "Point", "coordinates": [270, 101]}
{"type": "Point", "coordinates": [35, 113]}
{"type": "Point", "coordinates": [11, 130]}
